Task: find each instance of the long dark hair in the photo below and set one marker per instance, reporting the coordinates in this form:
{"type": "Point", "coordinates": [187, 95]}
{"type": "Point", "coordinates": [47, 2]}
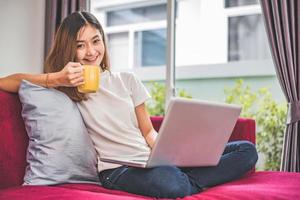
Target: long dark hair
{"type": "Point", "coordinates": [64, 48]}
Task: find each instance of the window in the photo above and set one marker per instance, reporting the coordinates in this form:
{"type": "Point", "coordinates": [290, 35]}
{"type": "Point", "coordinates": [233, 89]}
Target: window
{"type": "Point", "coordinates": [232, 3]}
{"type": "Point", "coordinates": [136, 15]}
{"type": "Point", "coordinates": [150, 48]}
{"type": "Point", "coordinates": [137, 34]}
{"type": "Point", "coordinates": [246, 38]}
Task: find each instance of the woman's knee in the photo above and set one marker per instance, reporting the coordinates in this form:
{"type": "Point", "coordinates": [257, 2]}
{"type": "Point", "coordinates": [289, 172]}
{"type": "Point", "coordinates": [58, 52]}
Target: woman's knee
{"type": "Point", "coordinates": [250, 151]}
{"type": "Point", "coordinates": [172, 182]}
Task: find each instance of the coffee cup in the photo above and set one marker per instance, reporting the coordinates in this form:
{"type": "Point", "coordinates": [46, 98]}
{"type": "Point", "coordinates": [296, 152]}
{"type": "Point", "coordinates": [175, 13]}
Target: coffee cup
{"type": "Point", "coordinates": [91, 74]}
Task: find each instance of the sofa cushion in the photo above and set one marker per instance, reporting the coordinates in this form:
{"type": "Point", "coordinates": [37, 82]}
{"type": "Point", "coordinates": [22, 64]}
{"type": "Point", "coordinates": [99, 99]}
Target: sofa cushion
{"type": "Point", "coordinates": [60, 149]}
{"type": "Point", "coordinates": [259, 185]}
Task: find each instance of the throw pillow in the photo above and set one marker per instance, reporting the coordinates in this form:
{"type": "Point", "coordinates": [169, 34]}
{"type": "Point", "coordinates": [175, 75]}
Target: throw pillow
{"type": "Point", "coordinates": [60, 149]}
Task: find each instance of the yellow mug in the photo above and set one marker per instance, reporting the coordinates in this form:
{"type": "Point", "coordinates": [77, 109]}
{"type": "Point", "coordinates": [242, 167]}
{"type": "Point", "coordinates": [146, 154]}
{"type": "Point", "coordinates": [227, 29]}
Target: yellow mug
{"type": "Point", "coordinates": [91, 74]}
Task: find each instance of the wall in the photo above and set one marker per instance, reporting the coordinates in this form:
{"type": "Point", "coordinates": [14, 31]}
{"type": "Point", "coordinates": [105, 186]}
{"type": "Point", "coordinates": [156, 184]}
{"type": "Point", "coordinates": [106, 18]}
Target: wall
{"type": "Point", "coordinates": [21, 36]}
{"type": "Point", "coordinates": [213, 89]}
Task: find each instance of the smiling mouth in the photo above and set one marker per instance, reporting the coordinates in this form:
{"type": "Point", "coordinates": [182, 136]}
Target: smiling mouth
{"type": "Point", "coordinates": [92, 60]}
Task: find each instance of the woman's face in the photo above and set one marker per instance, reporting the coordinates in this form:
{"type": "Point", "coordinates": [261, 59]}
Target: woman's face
{"type": "Point", "coordinates": [90, 47]}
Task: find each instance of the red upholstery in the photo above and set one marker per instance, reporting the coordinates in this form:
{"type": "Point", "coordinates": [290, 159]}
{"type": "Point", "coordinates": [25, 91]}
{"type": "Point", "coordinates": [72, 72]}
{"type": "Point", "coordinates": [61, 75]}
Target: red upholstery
{"type": "Point", "coordinates": [13, 144]}
{"type": "Point", "coordinates": [13, 141]}
{"type": "Point", "coordinates": [260, 185]}
{"type": "Point", "coordinates": [243, 130]}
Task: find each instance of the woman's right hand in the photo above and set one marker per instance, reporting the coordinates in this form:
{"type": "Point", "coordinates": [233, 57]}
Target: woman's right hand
{"type": "Point", "coordinates": [71, 75]}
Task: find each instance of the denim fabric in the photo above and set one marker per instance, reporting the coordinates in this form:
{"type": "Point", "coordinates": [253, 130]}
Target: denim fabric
{"type": "Point", "coordinates": [171, 182]}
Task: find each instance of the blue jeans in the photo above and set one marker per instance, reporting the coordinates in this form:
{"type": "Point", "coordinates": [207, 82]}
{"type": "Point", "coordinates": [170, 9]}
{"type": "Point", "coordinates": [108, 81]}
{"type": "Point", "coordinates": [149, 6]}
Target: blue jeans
{"type": "Point", "coordinates": [171, 182]}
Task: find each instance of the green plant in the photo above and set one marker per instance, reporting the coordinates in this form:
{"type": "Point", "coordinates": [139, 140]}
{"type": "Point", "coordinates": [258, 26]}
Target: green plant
{"type": "Point", "coordinates": [156, 106]}
{"type": "Point", "coordinates": [270, 117]}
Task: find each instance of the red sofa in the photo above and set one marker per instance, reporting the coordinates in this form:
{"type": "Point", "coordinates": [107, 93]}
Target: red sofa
{"type": "Point", "coordinates": [13, 144]}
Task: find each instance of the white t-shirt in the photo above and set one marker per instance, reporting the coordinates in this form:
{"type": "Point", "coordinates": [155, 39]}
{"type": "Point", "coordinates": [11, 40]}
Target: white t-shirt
{"type": "Point", "coordinates": [109, 115]}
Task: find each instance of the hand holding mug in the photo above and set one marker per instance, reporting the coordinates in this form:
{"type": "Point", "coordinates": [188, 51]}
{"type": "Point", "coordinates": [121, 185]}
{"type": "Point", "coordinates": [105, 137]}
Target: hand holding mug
{"type": "Point", "coordinates": [71, 75]}
{"type": "Point", "coordinates": [91, 74]}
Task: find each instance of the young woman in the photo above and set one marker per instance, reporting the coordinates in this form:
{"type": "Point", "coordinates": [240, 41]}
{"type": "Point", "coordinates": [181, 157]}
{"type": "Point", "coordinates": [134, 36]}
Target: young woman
{"type": "Point", "coordinates": [117, 119]}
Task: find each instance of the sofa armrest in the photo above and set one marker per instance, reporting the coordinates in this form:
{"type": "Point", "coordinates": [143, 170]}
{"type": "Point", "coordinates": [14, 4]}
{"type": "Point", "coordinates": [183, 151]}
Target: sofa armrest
{"type": "Point", "coordinates": [13, 141]}
{"type": "Point", "coordinates": [244, 128]}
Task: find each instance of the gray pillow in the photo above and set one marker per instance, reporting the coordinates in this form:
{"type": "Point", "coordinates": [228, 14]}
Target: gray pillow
{"type": "Point", "coordinates": [60, 149]}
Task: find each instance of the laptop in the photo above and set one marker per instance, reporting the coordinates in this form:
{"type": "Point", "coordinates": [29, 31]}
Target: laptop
{"type": "Point", "coordinates": [193, 133]}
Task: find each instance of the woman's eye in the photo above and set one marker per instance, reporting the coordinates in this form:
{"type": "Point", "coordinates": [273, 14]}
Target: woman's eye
{"type": "Point", "coordinates": [80, 46]}
{"type": "Point", "coordinates": [96, 41]}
